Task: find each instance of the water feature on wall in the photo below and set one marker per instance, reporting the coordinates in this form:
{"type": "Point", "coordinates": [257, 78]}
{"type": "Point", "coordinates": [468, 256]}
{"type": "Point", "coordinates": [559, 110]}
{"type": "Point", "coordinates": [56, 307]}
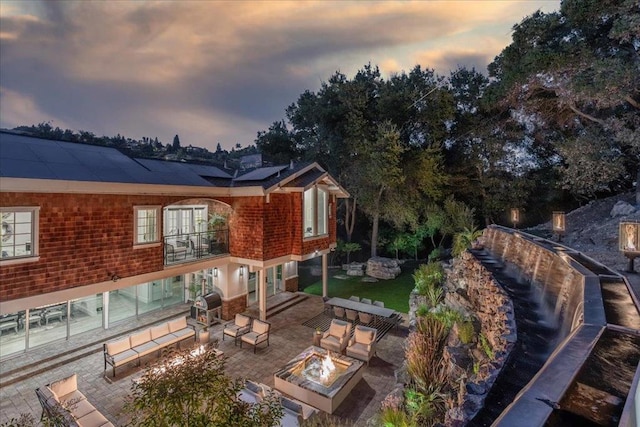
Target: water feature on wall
{"type": "Point", "coordinates": [590, 312]}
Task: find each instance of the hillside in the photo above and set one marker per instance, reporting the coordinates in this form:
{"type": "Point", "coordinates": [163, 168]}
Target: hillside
{"type": "Point", "coordinates": [592, 230]}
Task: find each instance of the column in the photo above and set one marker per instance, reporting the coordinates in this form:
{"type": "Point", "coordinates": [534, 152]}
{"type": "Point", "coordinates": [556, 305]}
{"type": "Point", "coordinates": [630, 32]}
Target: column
{"type": "Point", "coordinates": [325, 276]}
{"type": "Point", "coordinates": [262, 293]}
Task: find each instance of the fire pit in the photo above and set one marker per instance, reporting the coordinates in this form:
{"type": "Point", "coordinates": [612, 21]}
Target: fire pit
{"type": "Point", "coordinates": [319, 378]}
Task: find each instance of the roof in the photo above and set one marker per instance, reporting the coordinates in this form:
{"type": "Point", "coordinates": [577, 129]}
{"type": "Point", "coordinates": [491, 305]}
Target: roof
{"type": "Point", "coordinates": [31, 158]}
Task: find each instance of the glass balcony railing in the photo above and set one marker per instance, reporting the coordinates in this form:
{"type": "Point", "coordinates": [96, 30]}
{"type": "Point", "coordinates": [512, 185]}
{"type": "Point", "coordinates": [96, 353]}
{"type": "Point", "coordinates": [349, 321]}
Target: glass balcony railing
{"type": "Point", "coordinates": [189, 247]}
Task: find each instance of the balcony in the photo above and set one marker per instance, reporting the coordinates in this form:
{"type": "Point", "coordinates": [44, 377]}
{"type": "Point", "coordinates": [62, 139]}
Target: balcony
{"type": "Point", "coordinates": [190, 247]}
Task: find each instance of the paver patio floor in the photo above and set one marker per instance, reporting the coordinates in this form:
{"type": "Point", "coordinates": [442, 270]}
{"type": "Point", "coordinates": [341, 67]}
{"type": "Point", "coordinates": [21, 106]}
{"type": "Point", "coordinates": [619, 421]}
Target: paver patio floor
{"type": "Point", "coordinates": [20, 376]}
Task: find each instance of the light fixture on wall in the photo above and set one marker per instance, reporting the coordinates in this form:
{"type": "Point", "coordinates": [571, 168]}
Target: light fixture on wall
{"type": "Point", "coordinates": [241, 270]}
{"type": "Point", "coordinates": [515, 216]}
{"type": "Point", "coordinates": [215, 271]}
{"type": "Point", "coordinates": [629, 236]}
{"type": "Point", "coordinates": [558, 220]}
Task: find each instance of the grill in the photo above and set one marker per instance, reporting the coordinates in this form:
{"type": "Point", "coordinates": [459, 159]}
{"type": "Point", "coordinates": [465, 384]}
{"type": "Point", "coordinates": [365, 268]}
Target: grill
{"type": "Point", "coordinates": [207, 309]}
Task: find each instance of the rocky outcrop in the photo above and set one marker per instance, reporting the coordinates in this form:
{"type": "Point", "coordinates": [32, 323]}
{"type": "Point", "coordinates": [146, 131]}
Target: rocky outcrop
{"type": "Point", "coordinates": [622, 208]}
{"type": "Point", "coordinates": [471, 289]}
{"type": "Point", "coordinates": [383, 268]}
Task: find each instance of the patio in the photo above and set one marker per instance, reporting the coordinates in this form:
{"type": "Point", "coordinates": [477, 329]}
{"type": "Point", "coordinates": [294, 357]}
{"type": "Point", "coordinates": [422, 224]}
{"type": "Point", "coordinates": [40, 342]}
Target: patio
{"type": "Point", "coordinates": [20, 376]}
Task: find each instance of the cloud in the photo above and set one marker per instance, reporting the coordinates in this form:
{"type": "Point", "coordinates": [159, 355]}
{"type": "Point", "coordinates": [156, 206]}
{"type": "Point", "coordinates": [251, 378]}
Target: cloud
{"type": "Point", "coordinates": [134, 67]}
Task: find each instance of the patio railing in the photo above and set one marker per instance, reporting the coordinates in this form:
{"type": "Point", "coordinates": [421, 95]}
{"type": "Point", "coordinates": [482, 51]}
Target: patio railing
{"type": "Point", "coordinates": [188, 247]}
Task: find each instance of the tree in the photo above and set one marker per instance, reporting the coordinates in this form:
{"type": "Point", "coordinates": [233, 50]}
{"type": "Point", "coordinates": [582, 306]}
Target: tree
{"type": "Point", "coordinates": [176, 143]}
{"type": "Point", "coordinates": [195, 392]}
{"type": "Point", "coordinates": [277, 143]}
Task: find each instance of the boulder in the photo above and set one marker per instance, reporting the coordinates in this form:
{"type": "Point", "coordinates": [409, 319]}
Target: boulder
{"type": "Point", "coordinates": [622, 208]}
{"type": "Point", "coordinates": [383, 268]}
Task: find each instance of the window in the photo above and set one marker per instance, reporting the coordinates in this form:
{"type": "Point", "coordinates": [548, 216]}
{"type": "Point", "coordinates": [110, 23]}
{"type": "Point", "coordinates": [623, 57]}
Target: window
{"type": "Point", "coordinates": [146, 224]}
{"type": "Point", "coordinates": [19, 237]}
{"type": "Point", "coordinates": [315, 222]}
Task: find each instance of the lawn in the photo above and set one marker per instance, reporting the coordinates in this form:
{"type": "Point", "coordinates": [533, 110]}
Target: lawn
{"type": "Point", "coordinates": [394, 293]}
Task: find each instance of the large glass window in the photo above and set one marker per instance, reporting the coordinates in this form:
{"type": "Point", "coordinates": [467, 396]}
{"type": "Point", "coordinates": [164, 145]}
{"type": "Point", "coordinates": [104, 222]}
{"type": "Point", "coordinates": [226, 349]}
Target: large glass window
{"type": "Point", "coordinates": [122, 304]}
{"type": "Point", "coordinates": [12, 333]}
{"type": "Point", "coordinates": [185, 220]}
{"type": "Point", "coordinates": [86, 314]}
{"type": "Point", "coordinates": [19, 238]}
{"type": "Point", "coordinates": [147, 224]}
{"type": "Point", "coordinates": [315, 212]}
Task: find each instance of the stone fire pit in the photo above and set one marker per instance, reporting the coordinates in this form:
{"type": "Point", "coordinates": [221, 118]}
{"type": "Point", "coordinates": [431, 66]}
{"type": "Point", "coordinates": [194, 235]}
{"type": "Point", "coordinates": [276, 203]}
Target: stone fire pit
{"type": "Point", "coordinates": [319, 378]}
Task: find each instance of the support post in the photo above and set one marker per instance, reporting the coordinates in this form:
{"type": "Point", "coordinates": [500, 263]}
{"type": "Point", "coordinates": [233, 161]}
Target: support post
{"type": "Point", "coordinates": [325, 276]}
{"type": "Point", "coordinates": [262, 294]}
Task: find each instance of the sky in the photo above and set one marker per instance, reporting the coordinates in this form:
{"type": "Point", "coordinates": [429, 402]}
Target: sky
{"type": "Point", "coordinates": [220, 71]}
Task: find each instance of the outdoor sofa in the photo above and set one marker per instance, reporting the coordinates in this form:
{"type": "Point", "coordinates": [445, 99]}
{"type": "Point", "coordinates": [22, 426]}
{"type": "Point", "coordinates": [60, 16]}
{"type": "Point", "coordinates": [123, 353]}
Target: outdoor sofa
{"type": "Point", "coordinates": [63, 404]}
{"type": "Point", "coordinates": [135, 346]}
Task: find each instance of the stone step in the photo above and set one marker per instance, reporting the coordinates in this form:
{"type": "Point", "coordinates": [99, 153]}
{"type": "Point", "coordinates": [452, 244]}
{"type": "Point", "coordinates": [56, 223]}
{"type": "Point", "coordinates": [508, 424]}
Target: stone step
{"type": "Point", "coordinates": [281, 306]}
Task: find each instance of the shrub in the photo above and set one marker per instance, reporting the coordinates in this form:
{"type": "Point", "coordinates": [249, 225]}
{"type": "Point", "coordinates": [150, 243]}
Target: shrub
{"type": "Point", "coordinates": [422, 311]}
{"type": "Point", "coordinates": [463, 240]}
{"type": "Point", "coordinates": [486, 347]}
{"type": "Point", "coordinates": [392, 414]}
{"type": "Point", "coordinates": [436, 254]}
{"type": "Point", "coordinates": [428, 276]}
{"type": "Point", "coordinates": [447, 316]}
{"type": "Point", "coordinates": [465, 331]}
{"type": "Point", "coordinates": [424, 353]}
{"type": "Point", "coordinates": [196, 392]}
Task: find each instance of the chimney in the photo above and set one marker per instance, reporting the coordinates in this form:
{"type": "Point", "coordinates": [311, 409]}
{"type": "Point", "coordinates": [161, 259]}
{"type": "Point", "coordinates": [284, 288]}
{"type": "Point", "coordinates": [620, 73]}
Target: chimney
{"type": "Point", "coordinates": [291, 164]}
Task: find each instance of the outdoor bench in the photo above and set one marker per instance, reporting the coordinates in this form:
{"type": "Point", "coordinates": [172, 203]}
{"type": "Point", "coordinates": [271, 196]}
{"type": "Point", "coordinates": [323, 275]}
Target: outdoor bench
{"type": "Point", "coordinates": [150, 340]}
{"type": "Point", "coordinates": [63, 404]}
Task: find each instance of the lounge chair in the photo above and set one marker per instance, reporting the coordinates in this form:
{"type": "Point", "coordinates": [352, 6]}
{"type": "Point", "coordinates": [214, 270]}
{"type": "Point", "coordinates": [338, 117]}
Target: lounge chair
{"type": "Point", "coordinates": [337, 337]}
{"type": "Point", "coordinates": [362, 345]}
{"type": "Point", "coordinates": [259, 333]}
{"type": "Point", "coordinates": [240, 326]}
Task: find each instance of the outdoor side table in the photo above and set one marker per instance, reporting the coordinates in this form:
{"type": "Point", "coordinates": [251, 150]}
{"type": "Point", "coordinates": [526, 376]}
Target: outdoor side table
{"type": "Point", "coordinates": [316, 338]}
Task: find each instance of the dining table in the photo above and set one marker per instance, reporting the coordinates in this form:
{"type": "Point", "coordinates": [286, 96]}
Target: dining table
{"type": "Point", "coordinates": [360, 306]}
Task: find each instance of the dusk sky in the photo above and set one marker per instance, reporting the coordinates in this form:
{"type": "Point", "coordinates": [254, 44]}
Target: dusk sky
{"type": "Point", "coordinates": [220, 71]}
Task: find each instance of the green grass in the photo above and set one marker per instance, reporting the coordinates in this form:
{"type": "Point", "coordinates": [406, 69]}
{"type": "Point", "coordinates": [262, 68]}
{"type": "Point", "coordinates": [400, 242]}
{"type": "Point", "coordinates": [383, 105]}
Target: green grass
{"type": "Point", "coordinates": [394, 293]}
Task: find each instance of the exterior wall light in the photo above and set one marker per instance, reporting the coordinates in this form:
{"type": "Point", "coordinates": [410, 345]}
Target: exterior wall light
{"type": "Point", "coordinates": [215, 271]}
{"type": "Point", "coordinates": [629, 238]}
{"type": "Point", "coordinates": [515, 216]}
{"type": "Point", "coordinates": [242, 271]}
{"type": "Point", "coordinates": [559, 224]}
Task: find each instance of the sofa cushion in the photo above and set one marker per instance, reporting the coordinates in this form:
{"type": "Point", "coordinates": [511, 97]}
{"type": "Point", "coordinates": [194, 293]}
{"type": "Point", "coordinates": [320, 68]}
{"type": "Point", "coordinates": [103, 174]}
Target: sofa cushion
{"type": "Point", "coordinates": [64, 386]}
{"type": "Point", "coordinates": [184, 333]}
{"type": "Point", "coordinates": [260, 327]}
{"type": "Point", "coordinates": [79, 408]}
{"type": "Point", "coordinates": [363, 336]}
{"type": "Point", "coordinates": [159, 331]}
{"type": "Point", "coordinates": [146, 348]}
{"type": "Point", "coordinates": [336, 329]}
{"type": "Point", "coordinates": [140, 338]}
{"type": "Point", "coordinates": [166, 340]}
{"type": "Point", "coordinates": [177, 324]}
{"type": "Point", "coordinates": [115, 347]}
{"type": "Point", "coordinates": [242, 321]}
{"type": "Point", "coordinates": [124, 357]}
{"type": "Point", "coordinates": [92, 419]}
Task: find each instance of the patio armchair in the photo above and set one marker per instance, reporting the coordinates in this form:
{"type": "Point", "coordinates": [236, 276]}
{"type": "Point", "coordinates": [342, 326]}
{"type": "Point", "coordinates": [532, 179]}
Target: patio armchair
{"type": "Point", "coordinates": [172, 252]}
{"type": "Point", "coordinates": [240, 326]}
{"type": "Point", "coordinates": [259, 333]}
{"type": "Point", "coordinates": [362, 345]}
{"type": "Point", "coordinates": [337, 337]}
{"type": "Point", "coordinates": [198, 249]}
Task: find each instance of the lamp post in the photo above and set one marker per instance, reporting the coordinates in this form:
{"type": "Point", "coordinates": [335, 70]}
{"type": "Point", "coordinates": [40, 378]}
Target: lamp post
{"type": "Point", "coordinates": [515, 217]}
{"type": "Point", "coordinates": [559, 224]}
{"type": "Point", "coordinates": [629, 237]}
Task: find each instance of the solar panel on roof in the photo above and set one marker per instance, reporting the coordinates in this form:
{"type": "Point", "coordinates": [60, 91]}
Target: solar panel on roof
{"type": "Point", "coordinates": [260, 174]}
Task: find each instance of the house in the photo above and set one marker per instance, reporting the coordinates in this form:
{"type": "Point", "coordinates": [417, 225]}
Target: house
{"type": "Point", "coordinates": [92, 237]}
